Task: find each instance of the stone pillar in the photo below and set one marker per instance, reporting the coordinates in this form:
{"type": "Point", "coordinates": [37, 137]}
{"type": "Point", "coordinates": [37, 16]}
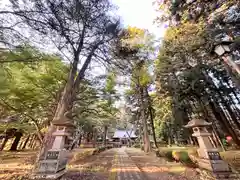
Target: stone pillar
{"type": "Point", "coordinates": [209, 157]}
{"type": "Point", "coordinates": [54, 164]}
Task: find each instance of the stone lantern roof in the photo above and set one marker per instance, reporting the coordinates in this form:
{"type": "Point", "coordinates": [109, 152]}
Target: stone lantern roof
{"type": "Point", "coordinates": [197, 123]}
{"type": "Point", "coordinates": [63, 122]}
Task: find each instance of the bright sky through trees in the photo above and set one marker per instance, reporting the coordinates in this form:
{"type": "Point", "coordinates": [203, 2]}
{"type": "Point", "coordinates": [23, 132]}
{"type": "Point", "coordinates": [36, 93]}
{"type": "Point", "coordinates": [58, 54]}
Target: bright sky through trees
{"type": "Point", "coordinates": [139, 13]}
{"type": "Point", "coordinates": [136, 13]}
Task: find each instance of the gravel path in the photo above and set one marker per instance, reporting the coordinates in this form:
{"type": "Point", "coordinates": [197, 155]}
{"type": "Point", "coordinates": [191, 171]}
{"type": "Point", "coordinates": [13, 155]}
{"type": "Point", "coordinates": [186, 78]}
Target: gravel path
{"type": "Point", "coordinates": [95, 167]}
{"type": "Point", "coordinates": [128, 164]}
{"type": "Point", "coordinates": [126, 168]}
{"type": "Point", "coordinates": [154, 168]}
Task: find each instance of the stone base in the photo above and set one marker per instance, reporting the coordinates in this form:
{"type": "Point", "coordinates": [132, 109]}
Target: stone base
{"type": "Point", "coordinates": [48, 175]}
{"type": "Point", "coordinates": [208, 175]}
{"type": "Point", "coordinates": [214, 166]}
{"type": "Point", "coordinates": [226, 176]}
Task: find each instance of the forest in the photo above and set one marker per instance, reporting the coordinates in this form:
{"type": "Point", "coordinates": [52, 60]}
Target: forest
{"type": "Point", "coordinates": [74, 62]}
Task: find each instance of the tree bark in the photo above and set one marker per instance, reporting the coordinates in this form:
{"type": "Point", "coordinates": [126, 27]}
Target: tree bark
{"type": "Point", "coordinates": [105, 135]}
{"type": "Point", "coordinates": [153, 128]}
{"type": "Point", "coordinates": [218, 113]}
{"type": "Point", "coordinates": [94, 137]}
{"type": "Point", "coordinates": [151, 113]}
{"type": "Point", "coordinates": [16, 141]}
{"type": "Point", "coordinates": [89, 137]}
{"type": "Point", "coordinates": [66, 102]}
{"type": "Point", "coordinates": [80, 140]}
{"type": "Point", "coordinates": [26, 141]}
{"type": "Point", "coordinates": [147, 144]}
{"type": "Point", "coordinates": [67, 98]}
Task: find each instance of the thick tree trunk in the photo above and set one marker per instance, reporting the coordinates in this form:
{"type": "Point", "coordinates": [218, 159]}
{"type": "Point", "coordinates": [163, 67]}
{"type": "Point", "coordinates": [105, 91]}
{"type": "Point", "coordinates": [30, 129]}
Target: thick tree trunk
{"type": "Point", "coordinates": [26, 141]}
{"type": "Point", "coordinates": [140, 137]}
{"type": "Point", "coordinates": [64, 105]}
{"type": "Point", "coordinates": [214, 127]}
{"type": "Point", "coordinates": [153, 128]}
{"type": "Point", "coordinates": [147, 144]}
{"type": "Point", "coordinates": [105, 135]}
{"type": "Point", "coordinates": [169, 136]}
{"type": "Point", "coordinates": [89, 137]}
{"type": "Point", "coordinates": [16, 141]}
{"type": "Point", "coordinates": [4, 143]}
{"type": "Point", "coordinates": [67, 98]}
{"type": "Point", "coordinates": [221, 117]}
{"type": "Point", "coordinates": [218, 140]}
{"type": "Point", "coordinates": [151, 113]}
{"type": "Point", "coordinates": [94, 137]}
{"type": "Point", "coordinates": [80, 140]}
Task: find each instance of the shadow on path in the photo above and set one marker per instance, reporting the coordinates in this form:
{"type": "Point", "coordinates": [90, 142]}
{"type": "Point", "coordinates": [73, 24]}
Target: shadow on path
{"type": "Point", "coordinates": [133, 164]}
{"type": "Point", "coordinates": [96, 167]}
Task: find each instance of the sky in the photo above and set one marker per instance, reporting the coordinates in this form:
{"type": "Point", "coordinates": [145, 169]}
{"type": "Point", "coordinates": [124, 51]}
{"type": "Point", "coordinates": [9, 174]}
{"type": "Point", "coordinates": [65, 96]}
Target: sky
{"type": "Point", "coordinates": [139, 13]}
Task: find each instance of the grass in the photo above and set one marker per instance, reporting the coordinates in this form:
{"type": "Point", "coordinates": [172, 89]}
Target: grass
{"type": "Point", "coordinates": [16, 165]}
{"type": "Point", "coordinates": [232, 158]}
{"type": "Point", "coordinates": [80, 154]}
{"type": "Point", "coordinates": [188, 156]}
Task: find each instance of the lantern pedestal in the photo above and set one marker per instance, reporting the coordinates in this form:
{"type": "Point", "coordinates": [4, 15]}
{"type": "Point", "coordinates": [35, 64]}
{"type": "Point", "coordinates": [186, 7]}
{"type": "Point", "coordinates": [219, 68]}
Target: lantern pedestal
{"type": "Point", "coordinates": [53, 165]}
{"type": "Point", "coordinates": [210, 158]}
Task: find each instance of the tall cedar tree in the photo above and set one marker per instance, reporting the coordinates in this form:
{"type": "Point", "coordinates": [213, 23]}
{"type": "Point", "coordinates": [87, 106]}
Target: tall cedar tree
{"type": "Point", "coordinates": [82, 29]}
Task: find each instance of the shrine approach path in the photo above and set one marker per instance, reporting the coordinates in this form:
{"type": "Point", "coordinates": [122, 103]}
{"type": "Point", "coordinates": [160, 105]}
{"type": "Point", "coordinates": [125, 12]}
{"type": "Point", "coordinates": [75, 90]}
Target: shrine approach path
{"type": "Point", "coordinates": [128, 164]}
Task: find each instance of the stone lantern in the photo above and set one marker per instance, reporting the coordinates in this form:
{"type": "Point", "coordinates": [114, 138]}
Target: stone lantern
{"type": "Point", "coordinates": [209, 157]}
{"type": "Point", "coordinates": [53, 165]}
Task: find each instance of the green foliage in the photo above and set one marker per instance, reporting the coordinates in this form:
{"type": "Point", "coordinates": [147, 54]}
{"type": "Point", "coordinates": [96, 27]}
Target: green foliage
{"type": "Point", "coordinates": [26, 127]}
{"type": "Point", "coordinates": [183, 157]}
{"type": "Point", "coordinates": [95, 107]}
{"type": "Point", "coordinates": [30, 89]}
{"type": "Point", "coordinates": [110, 83]}
{"type": "Point", "coordinates": [163, 113]}
{"type": "Point", "coordinates": [186, 60]}
{"type": "Point", "coordinates": [172, 154]}
{"type": "Point", "coordinates": [165, 154]}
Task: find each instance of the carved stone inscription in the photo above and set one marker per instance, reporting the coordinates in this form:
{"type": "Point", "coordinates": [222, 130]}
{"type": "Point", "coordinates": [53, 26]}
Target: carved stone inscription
{"type": "Point", "coordinates": [214, 156]}
{"type": "Point", "coordinates": [52, 155]}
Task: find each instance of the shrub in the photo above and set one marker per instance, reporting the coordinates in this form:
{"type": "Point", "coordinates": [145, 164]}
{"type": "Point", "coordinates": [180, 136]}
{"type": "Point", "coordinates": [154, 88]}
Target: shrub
{"type": "Point", "coordinates": [136, 146]}
{"type": "Point", "coordinates": [168, 155]}
{"type": "Point", "coordinates": [183, 157]}
{"type": "Point", "coordinates": [80, 155]}
{"type": "Point", "coordinates": [176, 155]}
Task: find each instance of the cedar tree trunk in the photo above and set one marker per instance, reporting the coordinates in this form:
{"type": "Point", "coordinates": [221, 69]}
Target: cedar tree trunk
{"type": "Point", "coordinates": [16, 141]}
